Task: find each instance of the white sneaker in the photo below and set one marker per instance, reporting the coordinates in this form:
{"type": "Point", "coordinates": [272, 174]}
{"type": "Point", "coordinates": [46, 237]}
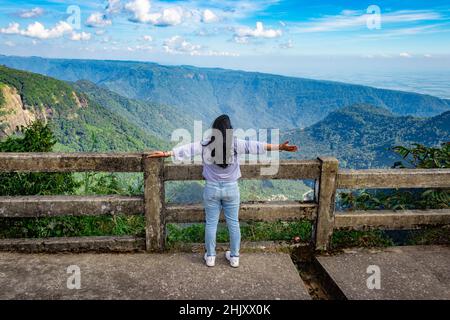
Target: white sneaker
{"type": "Point", "coordinates": [234, 261]}
{"type": "Point", "coordinates": [210, 260]}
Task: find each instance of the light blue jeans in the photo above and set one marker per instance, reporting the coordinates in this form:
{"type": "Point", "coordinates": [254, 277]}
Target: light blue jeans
{"type": "Point", "coordinates": [217, 196]}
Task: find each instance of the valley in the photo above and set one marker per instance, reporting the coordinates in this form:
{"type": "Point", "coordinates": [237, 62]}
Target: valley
{"type": "Point", "coordinates": [126, 106]}
{"type": "Point", "coordinates": [253, 100]}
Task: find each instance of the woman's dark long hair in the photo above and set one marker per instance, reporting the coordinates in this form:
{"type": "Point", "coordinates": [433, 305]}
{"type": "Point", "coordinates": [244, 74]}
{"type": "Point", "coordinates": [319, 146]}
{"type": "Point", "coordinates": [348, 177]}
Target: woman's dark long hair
{"type": "Point", "coordinates": [222, 125]}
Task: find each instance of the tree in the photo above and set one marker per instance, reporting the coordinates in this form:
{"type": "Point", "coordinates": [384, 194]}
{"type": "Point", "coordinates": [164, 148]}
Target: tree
{"type": "Point", "coordinates": [418, 156]}
{"type": "Point", "coordinates": [35, 138]}
{"type": "Point", "coordinates": [423, 157]}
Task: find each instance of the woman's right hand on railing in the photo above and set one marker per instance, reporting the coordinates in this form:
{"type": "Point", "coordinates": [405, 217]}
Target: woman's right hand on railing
{"type": "Point", "coordinates": [285, 146]}
{"type": "Point", "coordinates": [159, 154]}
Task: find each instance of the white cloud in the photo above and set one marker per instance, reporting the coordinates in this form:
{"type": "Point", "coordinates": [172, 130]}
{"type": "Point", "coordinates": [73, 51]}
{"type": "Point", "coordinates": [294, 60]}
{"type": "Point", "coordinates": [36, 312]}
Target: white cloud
{"type": "Point", "coordinates": [287, 45]}
{"type": "Point", "coordinates": [178, 44]}
{"type": "Point", "coordinates": [33, 13]}
{"type": "Point", "coordinates": [350, 12]}
{"type": "Point", "coordinates": [233, 10]}
{"type": "Point", "coordinates": [37, 30]}
{"type": "Point", "coordinates": [98, 19]}
{"type": "Point", "coordinates": [208, 32]}
{"type": "Point", "coordinates": [83, 36]}
{"type": "Point", "coordinates": [405, 55]}
{"type": "Point", "coordinates": [349, 19]}
{"type": "Point", "coordinates": [10, 44]}
{"type": "Point", "coordinates": [401, 32]}
{"type": "Point", "coordinates": [209, 17]}
{"type": "Point", "coordinates": [139, 48]}
{"type": "Point", "coordinates": [259, 32]}
{"type": "Point", "coordinates": [147, 38]}
{"type": "Point", "coordinates": [145, 47]}
{"type": "Point", "coordinates": [141, 13]}
{"type": "Point", "coordinates": [411, 16]}
{"type": "Point", "coordinates": [168, 17]}
{"type": "Point", "coordinates": [241, 40]}
{"type": "Point", "coordinates": [427, 55]}
{"type": "Point", "coordinates": [140, 10]}
{"type": "Point", "coordinates": [13, 28]}
{"type": "Point", "coordinates": [218, 53]}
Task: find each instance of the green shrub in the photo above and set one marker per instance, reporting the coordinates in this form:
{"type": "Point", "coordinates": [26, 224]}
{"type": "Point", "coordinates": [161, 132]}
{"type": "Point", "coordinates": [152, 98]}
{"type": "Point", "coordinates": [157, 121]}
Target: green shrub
{"type": "Point", "coordinates": [418, 156]}
{"type": "Point", "coordinates": [36, 138]}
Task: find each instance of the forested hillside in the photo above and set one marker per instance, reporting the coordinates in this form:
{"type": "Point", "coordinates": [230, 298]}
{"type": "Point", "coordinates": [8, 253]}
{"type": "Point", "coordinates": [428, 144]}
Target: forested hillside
{"type": "Point", "coordinates": [154, 119]}
{"type": "Point", "coordinates": [361, 136]}
{"type": "Point", "coordinates": [79, 122]}
{"type": "Point", "coordinates": [251, 99]}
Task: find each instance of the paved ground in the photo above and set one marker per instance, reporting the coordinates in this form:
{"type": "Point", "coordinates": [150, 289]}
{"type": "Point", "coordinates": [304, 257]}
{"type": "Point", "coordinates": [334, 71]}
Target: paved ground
{"type": "Point", "coordinates": [411, 272]}
{"type": "Point", "coordinates": [149, 276]}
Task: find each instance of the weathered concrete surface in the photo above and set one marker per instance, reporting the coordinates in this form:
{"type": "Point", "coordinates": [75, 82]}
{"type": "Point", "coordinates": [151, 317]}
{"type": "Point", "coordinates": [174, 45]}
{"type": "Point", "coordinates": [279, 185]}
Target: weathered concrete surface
{"type": "Point", "coordinates": [70, 162]}
{"type": "Point", "coordinates": [149, 276]}
{"type": "Point", "coordinates": [249, 211]}
{"type": "Point", "coordinates": [40, 206]}
{"type": "Point", "coordinates": [105, 244]}
{"type": "Point", "coordinates": [393, 178]}
{"type": "Point", "coordinates": [289, 169]}
{"type": "Point", "coordinates": [325, 212]}
{"type": "Point", "coordinates": [391, 219]}
{"type": "Point", "coordinates": [406, 273]}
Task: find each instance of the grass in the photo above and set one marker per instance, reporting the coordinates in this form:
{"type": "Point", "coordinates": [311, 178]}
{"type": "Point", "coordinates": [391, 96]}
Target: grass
{"type": "Point", "coordinates": [429, 236]}
{"type": "Point", "coordinates": [135, 225]}
{"type": "Point", "coordinates": [353, 238]}
{"type": "Point", "coordinates": [120, 225]}
{"type": "Point", "coordinates": [256, 231]}
{"type": "Point", "coordinates": [380, 238]}
{"type": "Point", "coordinates": [2, 98]}
{"type": "Point", "coordinates": [71, 226]}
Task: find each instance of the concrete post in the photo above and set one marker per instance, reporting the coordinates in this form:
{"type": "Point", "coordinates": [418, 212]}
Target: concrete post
{"type": "Point", "coordinates": [325, 212]}
{"type": "Point", "coordinates": [155, 226]}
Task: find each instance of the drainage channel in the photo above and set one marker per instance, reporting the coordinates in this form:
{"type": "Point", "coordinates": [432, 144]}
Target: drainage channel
{"type": "Point", "coordinates": [319, 284]}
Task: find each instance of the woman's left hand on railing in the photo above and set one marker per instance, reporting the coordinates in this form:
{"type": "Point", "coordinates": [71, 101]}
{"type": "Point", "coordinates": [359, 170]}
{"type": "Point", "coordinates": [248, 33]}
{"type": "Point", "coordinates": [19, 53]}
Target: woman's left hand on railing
{"type": "Point", "coordinates": [159, 154]}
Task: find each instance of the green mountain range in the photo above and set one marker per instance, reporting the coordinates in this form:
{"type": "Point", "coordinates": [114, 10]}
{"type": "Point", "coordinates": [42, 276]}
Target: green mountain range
{"type": "Point", "coordinates": [251, 99]}
{"type": "Point", "coordinates": [87, 117]}
{"type": "Point", "coordinates": [80, 121]}
{"type": "Point", "coordinates": [361, 136]}
{"type": "Point", "coordinates": [155, 119]}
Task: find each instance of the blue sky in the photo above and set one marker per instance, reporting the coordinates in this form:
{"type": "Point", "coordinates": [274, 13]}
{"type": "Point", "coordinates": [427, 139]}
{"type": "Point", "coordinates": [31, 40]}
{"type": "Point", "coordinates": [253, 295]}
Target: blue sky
{"type": "Point", "coordinates": [278, 36]}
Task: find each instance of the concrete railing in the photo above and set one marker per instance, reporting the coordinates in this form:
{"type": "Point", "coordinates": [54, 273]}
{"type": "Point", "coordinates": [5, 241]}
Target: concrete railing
{"type": "Point", "coordinates": [157, 212]}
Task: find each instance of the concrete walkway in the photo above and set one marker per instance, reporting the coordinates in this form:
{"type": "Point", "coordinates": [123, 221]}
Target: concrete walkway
{"type": "Point", "coordinates": [410, 272]}
{"type": "Point", "coordinates": [149, 276]}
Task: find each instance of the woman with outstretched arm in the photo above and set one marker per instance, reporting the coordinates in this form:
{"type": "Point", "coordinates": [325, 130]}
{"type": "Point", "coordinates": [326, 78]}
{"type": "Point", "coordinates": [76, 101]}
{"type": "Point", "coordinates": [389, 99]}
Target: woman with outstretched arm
{"type": "Point", "coordinates": [221, 171]}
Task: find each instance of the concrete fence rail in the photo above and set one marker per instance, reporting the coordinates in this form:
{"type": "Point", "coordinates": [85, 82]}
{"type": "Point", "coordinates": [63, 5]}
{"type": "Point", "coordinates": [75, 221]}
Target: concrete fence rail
{"type": "Point", "coordinates": [324, 171]}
